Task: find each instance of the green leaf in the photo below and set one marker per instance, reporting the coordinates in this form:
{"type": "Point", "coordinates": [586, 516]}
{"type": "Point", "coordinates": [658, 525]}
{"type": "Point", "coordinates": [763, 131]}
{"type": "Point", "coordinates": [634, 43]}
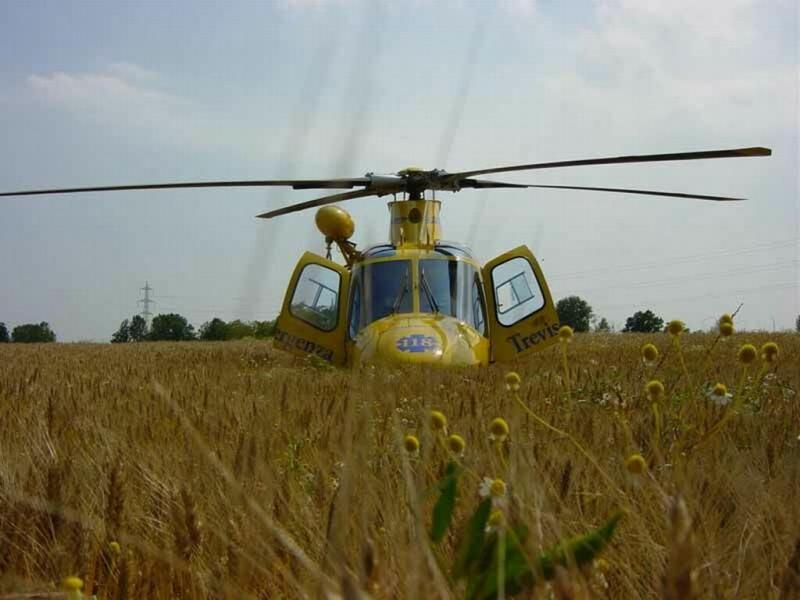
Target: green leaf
{"type": "Point", "coordinates": [516, 573]}
{"type": "Point", "coordinates": [471, 545]}
{"type": "Point", "coordinates": [579, 550]}
{"type": "Point", "coordinates": [443, 510]}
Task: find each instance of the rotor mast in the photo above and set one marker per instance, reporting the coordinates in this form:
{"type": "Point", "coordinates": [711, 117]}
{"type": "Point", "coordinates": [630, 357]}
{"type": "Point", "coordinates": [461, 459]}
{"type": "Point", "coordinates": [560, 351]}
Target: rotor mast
{"type": "Point", "coordinates": [415, 222]}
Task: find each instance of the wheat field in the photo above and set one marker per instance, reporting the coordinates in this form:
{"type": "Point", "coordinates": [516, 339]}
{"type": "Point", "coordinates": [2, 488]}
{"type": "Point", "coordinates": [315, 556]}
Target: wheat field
{"type": "Point", "coordinates": [231, 470]}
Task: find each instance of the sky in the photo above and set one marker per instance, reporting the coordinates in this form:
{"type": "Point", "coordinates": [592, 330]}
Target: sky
{"type": "Point", "coordinates": [142, 92]}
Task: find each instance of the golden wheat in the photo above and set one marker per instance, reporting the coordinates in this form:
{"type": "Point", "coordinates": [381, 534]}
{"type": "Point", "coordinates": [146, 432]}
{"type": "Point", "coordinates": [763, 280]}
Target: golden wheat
{"type": "Point", "coordinates": [234, 471]}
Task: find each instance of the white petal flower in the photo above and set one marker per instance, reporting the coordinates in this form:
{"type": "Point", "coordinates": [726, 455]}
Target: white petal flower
{"type": "Point", "coordinates": [486, 487]}
{"type": "Point", "coordinates": [494, 488]}
{"type": "Point", "coordinates": [719, 394]}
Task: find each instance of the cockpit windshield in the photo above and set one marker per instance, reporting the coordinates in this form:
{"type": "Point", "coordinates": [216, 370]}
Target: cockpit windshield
{"type": "Point", "coordinates": [380, 289]}
{"type": "Point", "coordinates": [447, 287]}
{"type": "Point", "coordinates": [452, 288]}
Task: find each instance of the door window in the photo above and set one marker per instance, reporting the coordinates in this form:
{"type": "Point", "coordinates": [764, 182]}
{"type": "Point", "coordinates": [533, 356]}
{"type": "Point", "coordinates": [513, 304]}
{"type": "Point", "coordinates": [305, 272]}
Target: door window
{"type": "Point", "coordinates": [316, 297]}
{"type": "Point", "coordinates": [517, 292]}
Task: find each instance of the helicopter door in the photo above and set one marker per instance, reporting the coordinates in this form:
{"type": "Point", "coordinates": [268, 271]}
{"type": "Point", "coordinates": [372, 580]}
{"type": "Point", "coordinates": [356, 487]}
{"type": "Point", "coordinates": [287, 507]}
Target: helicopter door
{"type": "Point", "coordinates": [522, 316]}
{"type": "Point", "coordinates": [313, 317]}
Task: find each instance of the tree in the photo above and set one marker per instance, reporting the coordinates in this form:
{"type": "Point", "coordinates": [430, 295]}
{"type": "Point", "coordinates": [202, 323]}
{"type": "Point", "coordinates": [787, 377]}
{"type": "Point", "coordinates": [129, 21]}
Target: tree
{"type": "Point", "coordinates": [30, 333]}
{"type": "Point", "coordinates": [644, 322]}
{"type": "Point", "coordinates": [215, 330]}
{"type": "Point", "coordinates": [4, 338]}
{"type": "Point", "coordinates": [123, 334]}
{"type": "Point", "coordinates": [171, 327]}
{"type": "Point", "coordinates": [264, 329]}
{"type": "Point", "coordinates": [575, 312]}
{"type": "Point", "coordinates": [237, 330]}
{"type": "Point", "coordinates": [138, 329]}
{"type": "Point", "coordinates": [797, 324]}
{"type": "Point", "coordinates": [603, 325]}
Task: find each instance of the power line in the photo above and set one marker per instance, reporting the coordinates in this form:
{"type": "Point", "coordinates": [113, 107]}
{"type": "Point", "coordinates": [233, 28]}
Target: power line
{"type": "Point", "coordinates": [747, 290]}
{"type": "Point", "coordinates": [689, 279]}
{"type": "Point", "coordinates": [679, 260]}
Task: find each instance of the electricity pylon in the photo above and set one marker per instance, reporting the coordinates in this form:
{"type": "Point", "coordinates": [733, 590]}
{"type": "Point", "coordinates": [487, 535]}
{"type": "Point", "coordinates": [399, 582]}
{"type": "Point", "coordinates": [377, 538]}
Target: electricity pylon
{"type": "Point", "coordinates": [146, 302]}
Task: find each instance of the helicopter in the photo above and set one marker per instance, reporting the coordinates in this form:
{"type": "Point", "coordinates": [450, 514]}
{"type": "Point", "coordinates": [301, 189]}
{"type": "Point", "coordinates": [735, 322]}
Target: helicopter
{"type": "Point", "coordinates": [418, 298]}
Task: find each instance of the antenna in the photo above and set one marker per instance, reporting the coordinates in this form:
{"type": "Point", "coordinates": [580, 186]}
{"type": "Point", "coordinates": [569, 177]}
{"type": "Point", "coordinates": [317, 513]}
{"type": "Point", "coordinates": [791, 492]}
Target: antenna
{"type": "Point", "coordinates": [146, 302]}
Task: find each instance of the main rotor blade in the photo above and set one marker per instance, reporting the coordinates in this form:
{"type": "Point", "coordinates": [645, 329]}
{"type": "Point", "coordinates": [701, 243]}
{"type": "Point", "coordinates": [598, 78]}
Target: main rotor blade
{"type": "Point", "coordinates": [619, 159]}
{"type": "Point", "coordinates": [642, 192]}
{"type": "Point", "coordinates": [483, 184]}
{"type": "Point", "coordinates": [317, 202]}
{"type": "Point", "coordinates": [298, 184]}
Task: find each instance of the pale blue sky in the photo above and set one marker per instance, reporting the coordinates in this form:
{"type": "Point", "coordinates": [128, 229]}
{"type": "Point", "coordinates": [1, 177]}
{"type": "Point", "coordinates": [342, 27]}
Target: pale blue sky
{"type": "Point", "coordinates": [138, 92]}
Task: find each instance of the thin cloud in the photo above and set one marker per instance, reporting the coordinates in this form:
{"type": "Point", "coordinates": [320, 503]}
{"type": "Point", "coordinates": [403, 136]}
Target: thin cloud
{"type": "Point", "coordinates": [101, 94]}
{"type": "Point", "coordinates": [124, 97]}
{"type": "Point", "coordinates": [655, 61]}
{"type": "Point", "coordinates": [523, 8]}
{"type": "Point", "coordinates": [130, 71]}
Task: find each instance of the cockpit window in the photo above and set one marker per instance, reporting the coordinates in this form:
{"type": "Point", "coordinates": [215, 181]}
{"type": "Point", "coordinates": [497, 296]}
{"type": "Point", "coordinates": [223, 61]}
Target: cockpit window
{"type": "Point", "coordinates": [380, 251]}
{"type": "Point", "coordinates": [379, 290]}
{"type": "Point", "coordinates": [453, 249]}
{"type": "Point", "coordinates": [451, 288]}
{"type": "Point", "coordinates": [316, 297]}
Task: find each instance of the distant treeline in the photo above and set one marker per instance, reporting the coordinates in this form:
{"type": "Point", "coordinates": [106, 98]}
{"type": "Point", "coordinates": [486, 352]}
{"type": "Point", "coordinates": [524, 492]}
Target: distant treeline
{"type": "Point", "coordinates": [176, 328]}
{"type": "Point", "coordinates": [28, 333]}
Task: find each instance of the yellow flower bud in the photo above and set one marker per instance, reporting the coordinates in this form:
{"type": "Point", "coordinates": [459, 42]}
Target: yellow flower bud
{"type": "Point", "coordinates": [655, 389]}
{"type": "Point", "coordinates": [72, 583]}
{"type": "Point", "coordinates": [497, 519]}
{"type": "Point", "coordinates": [675, 328]}
{"type": "Point", "coordinates": [498, 488]}
{"type": "Point", "coordinates": [438, 420]}
{"type": "Point", "coordinates": [649, 352]}
{"type": "Point", "coordinates": [411, 443]}
{"type": "Point", "coordinates": [602, 565]}
{"type": "Point", "coordinates": [512, 381]}
{"type": "Point", "coordinates": [565, 333]}
{"type": "Point", "coordinates": [636, 464]}
{"type": "Point", "coordinates": [456, 444]}
{"type": "Point", "coordinates": [769, 352]}
{"type": "Point", "coordinates": [499, 428]}
{"type": "Point", "coordinates": [747, 354]}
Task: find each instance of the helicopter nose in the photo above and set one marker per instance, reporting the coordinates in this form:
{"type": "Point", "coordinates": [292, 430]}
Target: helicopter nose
{"type": "Point", "coordinates": [413, 344]}
{"type": "Point", "coordinates": [421, 338]}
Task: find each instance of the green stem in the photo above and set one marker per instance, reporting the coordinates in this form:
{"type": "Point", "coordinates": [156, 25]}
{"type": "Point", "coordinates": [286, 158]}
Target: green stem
{"type": "Point", "coordinates": [683, 363]}
{"type": "Point", "coordinates": [708, 352]}
{"type": "Point", "coordinates": [690, 385]}
{"type": "Point", "coordinates": [498, 445]}
{"type": "Point", "coordinates": [731, 410]}
{"type": "Point", "coordinates": [566, 369]}
{"type": "Point", "coordinates": [575, 442]}
{"type": "Point", "coordinates": [657, 436]}
{"type": "Point", "coordinates": [501, 565]}
{"type": "Point", "coordinates": [740, 388]}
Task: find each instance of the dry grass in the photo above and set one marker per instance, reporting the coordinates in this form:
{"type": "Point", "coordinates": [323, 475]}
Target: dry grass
{"type": "Point", "coordinates": [234, 471]}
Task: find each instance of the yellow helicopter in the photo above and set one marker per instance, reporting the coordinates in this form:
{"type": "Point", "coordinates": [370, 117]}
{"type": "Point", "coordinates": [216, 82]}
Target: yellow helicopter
{"type": "Point", "coordinates": [418, 298]}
